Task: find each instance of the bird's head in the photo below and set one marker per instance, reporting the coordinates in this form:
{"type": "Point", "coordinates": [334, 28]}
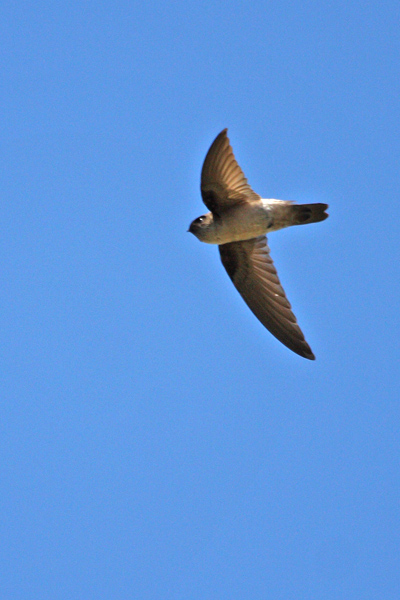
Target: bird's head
{"type": "Point", "coordinates": [203, 228]}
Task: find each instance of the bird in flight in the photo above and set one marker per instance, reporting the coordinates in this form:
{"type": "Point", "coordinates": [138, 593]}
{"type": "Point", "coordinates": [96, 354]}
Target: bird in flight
{"type": "Point", "coordinates": [238, 222]}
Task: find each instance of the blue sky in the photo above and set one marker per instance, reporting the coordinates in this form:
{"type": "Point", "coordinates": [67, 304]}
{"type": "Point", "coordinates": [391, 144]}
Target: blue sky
{"type": "Point", "coordinates": [156, 441]}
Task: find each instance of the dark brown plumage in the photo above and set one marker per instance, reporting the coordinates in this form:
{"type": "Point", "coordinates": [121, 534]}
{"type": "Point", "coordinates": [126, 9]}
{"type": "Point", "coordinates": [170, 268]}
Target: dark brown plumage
{"type": "Point", "coordinates": [238, 222]}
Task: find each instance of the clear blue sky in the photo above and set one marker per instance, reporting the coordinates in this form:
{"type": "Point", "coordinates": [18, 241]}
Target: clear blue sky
{"type": "Point", "coordinates": [156, 441]}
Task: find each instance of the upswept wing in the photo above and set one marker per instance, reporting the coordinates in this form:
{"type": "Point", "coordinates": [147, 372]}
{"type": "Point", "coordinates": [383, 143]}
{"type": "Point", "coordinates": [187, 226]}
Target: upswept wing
{"type": "Point", "coordinates": [223, 183]}
{"type": "Point", "coordinates": [252, 271]}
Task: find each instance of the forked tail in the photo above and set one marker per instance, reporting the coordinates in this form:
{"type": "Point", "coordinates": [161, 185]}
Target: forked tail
{"type": "Point", "coordinates": [308, 213]}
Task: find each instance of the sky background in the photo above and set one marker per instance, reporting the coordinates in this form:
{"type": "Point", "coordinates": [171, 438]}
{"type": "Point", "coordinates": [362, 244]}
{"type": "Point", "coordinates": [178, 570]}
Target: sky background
{"type": "Point", "coordinates": [156, 442]}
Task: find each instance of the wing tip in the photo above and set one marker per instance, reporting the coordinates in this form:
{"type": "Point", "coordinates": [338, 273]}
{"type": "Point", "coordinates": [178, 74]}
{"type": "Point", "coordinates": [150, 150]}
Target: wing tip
{"type": "Point", "coordinates": [306, 352]}
{"type": "Point", "coordinates": [222, 134]}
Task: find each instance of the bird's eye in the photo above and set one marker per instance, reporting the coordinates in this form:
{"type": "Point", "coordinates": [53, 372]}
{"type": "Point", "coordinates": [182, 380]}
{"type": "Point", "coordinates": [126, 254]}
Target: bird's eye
{"type": "Point", "coordinates": [200, 219]}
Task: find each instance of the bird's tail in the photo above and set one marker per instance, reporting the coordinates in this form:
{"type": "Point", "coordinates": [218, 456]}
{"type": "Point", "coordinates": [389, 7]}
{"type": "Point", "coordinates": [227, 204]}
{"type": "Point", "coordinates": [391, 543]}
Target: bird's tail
{"type": "Point", "coordinates": [302, 214]}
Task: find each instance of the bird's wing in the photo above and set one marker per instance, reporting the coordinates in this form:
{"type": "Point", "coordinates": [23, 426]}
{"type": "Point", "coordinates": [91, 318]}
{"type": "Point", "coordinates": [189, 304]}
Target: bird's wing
{"type": "Point", "coordinates": [223, 183]}
{"type": "Point", "coordinates": [252, 271]}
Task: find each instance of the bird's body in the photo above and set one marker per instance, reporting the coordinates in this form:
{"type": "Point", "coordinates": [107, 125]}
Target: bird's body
{"type": "Point", "coordinates": [235, 224]}
{"type": "Point", "coordinates": [238, 222]}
